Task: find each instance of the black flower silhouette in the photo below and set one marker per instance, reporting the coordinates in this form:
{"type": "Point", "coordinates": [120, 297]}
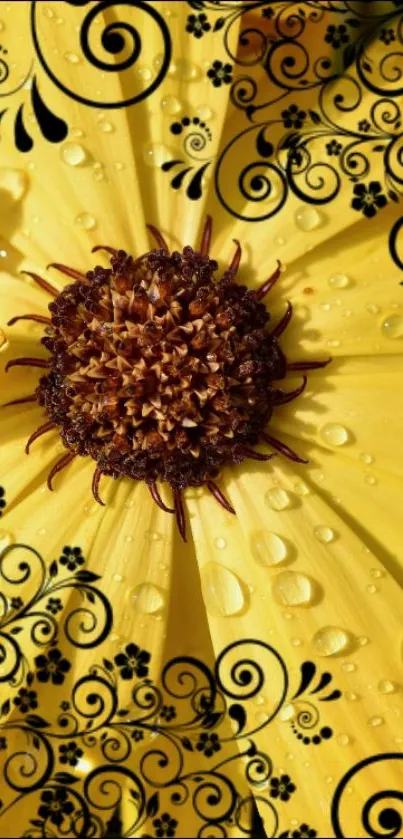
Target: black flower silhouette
{"type": "Point", "coordinates": [387, 36]}
{"type": "Point", "coordinates": [197, 25]}
{"type": "Point", "coordinates": [364, 125]}
{"type": "Point", "coordinates": [282, 787]}
{"type": "Point", "coordinates": [71, 558]}
{"type": "Point", "coordinates": [55, 805]}
{"type": "Point", "coordinates": [168, 712]}
{"type": "Point", "coordinates": [368, 199]}
{"type": "Point", "coordinates": [268, 12]}
{"type": "Point", "coordinates": [337, 35]}
{"type": "Point", "coordinates": [208, 744]}
{"type": "Point", "coordinates": [137, 735]}
{"type": "Point", "coordinates": [26, 700]}
{"type": "Point", "coordinates": [165, 825]}
{"type": "Point", "coordinates": [53, 667]}
{"type": "Point", "coordinates": [16, 602]}
{"type": "Point", "coordinates": [333, 147]}
{"type": "Point", "coordinates": [65, 705]}
{"type": "Point", "coordinates": [293, 117]}
{"type": "Point", "coordinates": [54, 605]}
{"type": "Point", "coordinates": [133, 662]}
{"type": "Point", "coordinates": [70, 753]}
{"type": "Point", "coordinates": [220, 73]}
{"type": "Point", "coordinates": [3, 744]}
{"type": "Point", "coordinates": [302, 832]}
{"type": "Point", "coordinates": [2, 500]}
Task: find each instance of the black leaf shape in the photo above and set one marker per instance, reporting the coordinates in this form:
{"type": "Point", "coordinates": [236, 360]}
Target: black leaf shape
{"type": "Point", "coordinates": [378, 148]}
{"type": "Point", "coordinates": [36, 721]}
{"type": "Point", "coordinates": [186, 743]}
{"type": "Point", "coordinates": [308, 670]}
{"type": "Point", "coordinates": [393, 195]}
{"type": "Point", "coordinates": [30, 679]}
{"type": "Point", "coordinates": [177, 180]}
{"type": "Point", "coordinates": [86, 576]}
{"type": "Point", "coordinates": [5, 707]}
{"type": "Point", "coordinates": [53, 568]}
{"type": "Point", "coordinates": [22, 139]}
{"type": "Point", "coordinates": [53, 128]}
{"type": "Point", "coordinates": [169, 164]}
{"type": "Point", "coordinates": [264, 148]}
{"type": "Point", "coordinates": [65, 778]}
{"type": "Point", "coordinates": [353, 21]}
{"type": "Point", "coordinates": [153, 804]}
{"type": "Point", "coordinates": [367, 66]}
{"type": "Point", "coordinates": [108, 664]}
{"type": "Point", "coordinates": [90, 596]}
{"type": "Point", "coordinates": [37, 822]}
{"type": "Point", "coordinates": [349, 55]}
{"type": "Point", "coordinates": [194, 190]}
{"type": "Point", "coordinates": [324, 681]}
{"type": "Point", "coordinates": [36, 742]}
{"type": "Point", "coordinates": [237, 713]}
{"type": "Point", "coordinates": [15, 630]}
{"type": "Point", "coordinates": [123, 712]}
{"type": "Point", "coordinates": [315, 117]}
{"type": "Point", "coordinates": [219, 24]}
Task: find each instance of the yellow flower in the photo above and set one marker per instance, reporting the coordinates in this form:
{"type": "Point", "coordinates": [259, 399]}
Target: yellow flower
{"type": "Point", "coordinates": [213, 683]}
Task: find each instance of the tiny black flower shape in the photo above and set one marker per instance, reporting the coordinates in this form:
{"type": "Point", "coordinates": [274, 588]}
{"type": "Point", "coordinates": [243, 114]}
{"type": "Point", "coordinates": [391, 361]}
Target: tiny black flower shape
{"type": "Point", "coordinates": [54, 605]}
{"type": "Point", "coordinates": [65, 705]}
{"type": "Point", "coordinates": [333, 147]}
{"type": "Point", "coordinates": [2, 500]}
{"type": "Point", "coordinates": [336, 35]}
{"type": "Point", "coordinates": [26, 700]}
{"type": "Point", "coordinates": [3, 744]}
{"type": "Point", "coordinates": [208, 743]}
{"type": "Point", "coordinates": [70, 753]}
{"type": "Point", "coordinates": [220, 73]}
{"type": "Point", "coordinates": [168, 712]}
{"type": "Point", "coordinates": [197, 25]}
{"type": "Point", "coordinates": [55, 805]}
{"type": "Point", "coordinates": [368, 199]}
{"type": "Point", "coordinates": [71, 558]}
{"type": "Point", "coordinates": [137, 735]}
{"type": "Point", "coordinates": [165, 825]}
{"type": "Point", "coordinates": [282, 787]}
{"type": "Point", "coordinates": [16, 603]}
{"type": "Point", "coordinates": [364, 125]}
{"type": "Point", "coordinates": [133, 662]}
{"type": "Point", "coordinates": [268, 12]}
{"type": "Point", "coordinates": [304, 832]}
{"type": "Point", "coordinates": [293, 117]}
{"type": "Point", "coordinates": [387, 36]}
{"type": "Point", "coordinates": [53, 667]}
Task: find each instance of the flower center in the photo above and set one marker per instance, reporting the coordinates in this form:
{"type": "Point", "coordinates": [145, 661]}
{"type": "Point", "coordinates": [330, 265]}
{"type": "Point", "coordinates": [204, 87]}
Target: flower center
{"type": "Point", "coordinates": [159, 370]}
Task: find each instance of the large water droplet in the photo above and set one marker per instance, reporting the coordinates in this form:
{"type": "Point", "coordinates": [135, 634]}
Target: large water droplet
{"type": "Point", "coordinates": [220, 543]}
{"type": "Point", "coordinates": [334, 434]}
{"type": "Point", "coordinates": [268, 548]}
{"type": "Point", "coordinates": [155, 154]}
{"type": "Point", "coordinates": [73, 154]}
{"type": "Point", "coordinates": [287, 712]}
{"type": "Point", "coordinates": [148, 599]}
{"type": "Point", "coordinates": [339, 281]}
{"type": "Point", "coordinates": [324, 534]}
{"type": "Point", "coordinates": [105, 126]}
{"type": "Point", "coordinates": [292, 589]}
{"type": "Point", "coordinates": [6, 538]}
{"type": "Point", "coordinates": [86, 221]}
{"type": "Point", "coordinates": [392, 326]}
{"type": "Point", "coordinates": [385, 686]}
{"type": "Point", "coordinates": [307, 218]}
{"type": "Point", "coordinates": [171, 105]}
{"type": "Point", "coordinates": [331, 640]}
{"type": "Point", "coordinates": [278, 499]}
{"type": "Point", "coordinates": [222, 591]}
{"type": "Point", "coordinates": [204, 112]}
{"type": "Point", "coordinates": [183, 69]}
{"type": "Point", "coordinates": [13, 181]}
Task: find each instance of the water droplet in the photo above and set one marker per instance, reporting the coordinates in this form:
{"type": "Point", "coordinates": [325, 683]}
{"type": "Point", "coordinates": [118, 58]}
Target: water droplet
{"type": "Point", "coordinates": [72, 58]}
{"type": "Point", "coordinates": [155, 154]}
{"type": "Point", "coordinates": [392, 326]}
{"type": "Point", "coordinates": [300, 488]}
{"type": "Point", "coordinates": [183, 69]}
{"type": "Point", "coordinates": [370, 479]}
{"type": "Point", "coordinates": [42, 531]}
{"type": "Point", "coordinates": [3, 253]}
{"type": "Point", "coordinates": [105, 126]}
{"type": "Point", "coordinates": [291, 588]}
{"type": "Point", "coordinates": [148, 599]}
{"type": "Point", "coordinates": [307, 219]}
{"type": "Point", "coordinates": [48, 12]}
{"type": "Point", "coordinates": [267, 548]}
{"type": "Point", "coordinates": [333, 343]}
{"type": "Point", "coordinates": [348, 667]}
{"type": "Point", "coordinates": [377, 573]}
{"type": "Point", "coordinates": [371, 589]}
{"type": "Point", "coordinates": [325, 306]}
{"type": "Point", "coordinates": [91, 508]}
{"type": "Point", "coordinates": [296, 642]}
{"type": "Point", "coordinates": [171, 105]}
{"type": "Point", "coordinates": [363, 641]}
{"type": "Point", "coordinates": [366, 458]}
{"type": "Point", "coordinates": [334, 434]}
{"type": "Point", "coordinates": [287, 712]}
{"type": "Point", "coordinates": [118, 578]}
{"type": "Point", "coordinates": [152, 535]}
{"type": "Point", "coordinates": [86, 221]}
{"type": "Point", "coordinates": [158, 61]}
{"type": "Point", "coordinates": [279, 240]}
{"type": "Point", "coordinates": [98, 175]}
{"type": "Point", "coordinates": [372, 308]}
{"type": "Point", "coordinates": [220, 543]}
{"type": "Point", "coordinates": [13, 181]}
{"type": "Point", "coordinates": [374, 722]}
{"type": "Point", "coordinates": [73, 154]}
{"type": "Point", "coordinates": [351, 696]}
{"type": "Point", "coordinates": [6, 538]}
{"type": "Point", "coordinates": [118, 165]}
{"type": "Point", "coordinates": [278, 499]}
{"type": "Point", "coordinates": [324, 534]}
{"type": "Point", "coordinates": [2, 26]}
{"type": "Point", "coordinates": [343, 739]}
{"type": "Point", "coordinates": [3, 340]}
{"type": "Point", "coordinates": [77, 132]}
{"type": "Point", "coordinates": [204, 112]}
{"type": "Point", "coordinates": [222, 591]}
{"type": "Point", "coordinates": [331, 640]}
{"type": "Point", "coordinates": [129, 539]}
{"type": "Point", "coordinates": [339, 281]}
{"type": "Point", "coordinates": [144, 73]}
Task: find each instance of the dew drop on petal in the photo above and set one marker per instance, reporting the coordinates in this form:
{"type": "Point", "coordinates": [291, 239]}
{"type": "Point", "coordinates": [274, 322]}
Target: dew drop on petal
{"type": "Point", "coordinates": [366, 458]}
{"type": "Point", "coordinates": [348, 667]}
{"type": "Point", "coordinates": [279, 240]}
{"type": "Point", "coordinates": [204, 112]}
{"type": "Point", "coordinates": [6, 538]}
{"type": "Point", "coordinates": [72, 58]}
{"type": "Point", "coordinates": [291, 588]}
{"type": "Point", "coordinates": [287, 712]}
{"type": "Point", "coordinates": [278, 499]}
{"type": "Point", "coordinates": [118, 578]}
{"type": "Point", "coordinates": [3, 253]}
{"type": "Point", "coordinates": [343, 739]}
{"type": "Point", "coordinates": [144, 73]}
{"type": "Point", "coordinates": [86, 221]}
{"type": "Point", "coordinates": [370, 479]}
{"type": "Point", "coordinates": [334, 434]}
{"type": "Point", "coordinates": [105, 126]}
{"type": "Point", "coordinates": [392, 326]}
{"type": "Point", "coordinates": [331, 640]}
{"type": "Point", "coordinates": [222, 591]}
{"type": "Point", "coordinates": [158, 61]}
{"type": "Point", "coordinates": [73, 154]}
{"type": "Point", "coordinates": [267, 548]}
{"type": "Point", "coordinates": [220, 543]}
{"type": "Point", "coordinates": [300, 488]}
{"type": "Point", "coordinates": [307, 219]}
{"type": "Point", "coordinates": [155, 154]}
{"type": "Point", "coordinates": [385, 686]}
{"type": "Point", "coordinates": [371, 589]}
{"type": "Point", "coordinates": [148, 599]}
{"type": "Point", "coordinates": [372, 308]}
{"type": "Point", "coordinates": [171, 105]}
{"type": "Point", "coordinates": [324, 534]}
{"type": "Point", "coordinates": [339, 281]}
{"type": "Point", "coordinates": [351, 696]}
{"type": "Point", "coordinates": [374, 722]}
{"type": "Point", "coordinates": [118, 165]}
{"type": "Point", "coordinates": [14, 182]}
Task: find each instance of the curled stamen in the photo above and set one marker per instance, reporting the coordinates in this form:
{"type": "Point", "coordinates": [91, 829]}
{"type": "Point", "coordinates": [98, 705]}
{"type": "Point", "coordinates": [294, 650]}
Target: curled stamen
{"type": "Point", "coordinates": [36, 318]}
{"type": "Point", "coordinates": [308, 365]}
{"type": "Point", "coordinates": [108, 248]}
{"type": "Point", "coordinates": [220, 497]}
{"type": "Point", "coordinates": [71, 272]}
{"type": "Point", "coordinates": [180, 514]}
{"type": "Point", "coordinates": [95, 486]}
{"type": "Point", "coordinates": [42, 283]}
{"type": "Point", "coordinates": [234, 265]}
{"type": "Point", "coordinates": [64, 461]}
{"type": "Point", "coordinates": [282, 397]}
{"type": "Point", "coordinates": [281, 447]}
{"type": "Point", "coordinates": [283, 322]}
{"type": "Point", "coordinates": [47, 426]}
{"type": "Point", "coordinates": [157, 498]}
{"type": "Point", "coordinates": [206, 236]}
{"type": "Point", "coordinates": [255, 455]}
{"type": "Point", "coordinates": [158, 237]}
{"type": "Point", "coordinates": [268, 285]}
{"type": "Point", "coordinates": [31, 398]}
{"type": "Point", "coordinates": [26, 362]}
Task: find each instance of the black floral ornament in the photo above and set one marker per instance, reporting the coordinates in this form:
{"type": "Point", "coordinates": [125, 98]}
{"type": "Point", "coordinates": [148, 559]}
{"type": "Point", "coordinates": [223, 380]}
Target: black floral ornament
{"type": "Point", "coordinates": [52, 667]}
{"type": "Point", "coordinates": [168, 712]}
{"type": "Point", "coordinates": [3, 744]}
{"type": "Point", "coordinates": [208, 744]}
{"type": "Point", "coordinates": [26, 700]}
{"type": "Point", "coordinates": [293, 117]}
{"type": "Point", "coordinates": [387, 36]}
{"type": "Point", "coordinates": [55, 805]}
{"type": "Point", "coordinates": [133, 662]}
{"type": "Point", "coordinates": [197, 25]}
{"type": "Point", "coordinates": [268, 12]}
{"type": "Point", "coordinates": [282, 787]}
{"type": "Point", "coordinates": [70, 753]}
{"type": "Point", "coordinates": [54, 605]}
{"type": "Point", "coordinates": [16, 603]}
{"type": "Point", "coordinates": [302, 832]}
{"type": "Point", "coordinates": [71, 558]}
{"type": "Point", "coordinates": [2, 500]}
{"type": "Point", "coordinates": [137, 735]}
{"type": "Point", "coordinates": [333, 148]}
{"type": "Point", "coordinates": [337, 35]}
{"type": "Point", "coordinates": [369, 199]}
{"type": "Point", "coordinates": [220, 73]}
{"type": "Point", "coordinates": [165, 826]}
{"type": "Point", "coordinates": [364, 125]}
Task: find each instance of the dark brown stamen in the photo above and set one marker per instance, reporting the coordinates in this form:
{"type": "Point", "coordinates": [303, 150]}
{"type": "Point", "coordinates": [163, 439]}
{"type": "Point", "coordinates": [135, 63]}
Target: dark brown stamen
{"type": "Point", "coordinates": [108, 248]}
{"type": "Point", "coordinates": [157, 498]}
{"type": "Point", "coordinates": [26, 362]}
{"type": "Point", "coordinates": [234, 265]}
{"type": "Point", "coordinates": [158, 237]}
{"type": "Point", "coordinates": [61, 464]}
{"type": "Point", "coordinates": [206, 236]}
{"type": "Point", "coordinates": [95, 486]}
{"type": "Point", "coordinates": [254, 455]}
{"type": "Point", "coordinates": [43, 429]}
{"type": "Point", "coordinates": [281, 447]}
{"type": "Point", "coordinates": [180, 514]}
{"type": "Point", "coordinates": [282, 397]}
{"type": "Point", "coordinates": [21, 401]}
{"type": "Point", "coordinates": [283, 323]}
{"type": "Point", "coordinates": [42, 283]}
{"type": "Point", "coordinates": [268, 285]}
{"type": "Point", "coordinates": [36, 318]}
{"type": "Point", "coordinates": [71, 272]}
{"type": "Point", "coordinates": [307, 365]}
{"type": "Point", "coordinates": [220, 497]}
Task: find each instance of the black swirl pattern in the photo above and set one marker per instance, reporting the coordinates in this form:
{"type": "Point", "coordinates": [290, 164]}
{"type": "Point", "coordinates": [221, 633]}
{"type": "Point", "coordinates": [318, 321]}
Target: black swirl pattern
{"type": "Point", "coordinates": [382, 812]}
